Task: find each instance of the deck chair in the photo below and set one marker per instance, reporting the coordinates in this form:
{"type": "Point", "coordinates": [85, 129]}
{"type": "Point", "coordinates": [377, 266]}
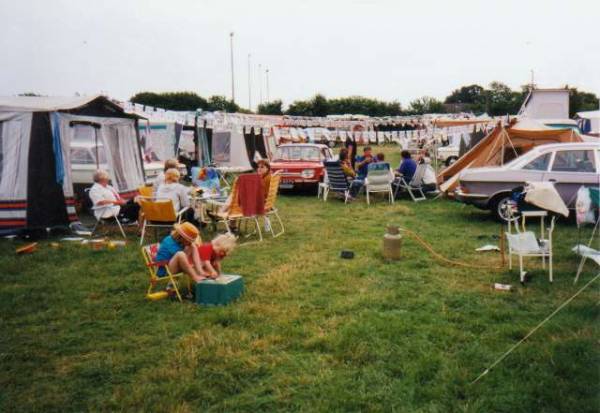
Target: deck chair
{"type": "Point", "coordinates": [525, 244]}
{"type": "Point", "coordinates": [586, 252]}
{"type": "Point", "coordinates": [149, 254]}
{"type": "Point", "coordinates": [145, 191]}
{"type": "Point", "coordinates": [236, 214]}
{"type": "Point", "coordinates": [415, 186]}
{"type": "Point", "coordinates": [323, 186]}
{"type": "Point", "coordinates": [158, 213]}
{"type": "Point", "coordinates": [112, 220]}
{"type": "Point", "coordinates": [379, 179]}
{"type": "Point", "coordinates": [270, 209]}
{"type": "Point", "coordinates": [337, 182]}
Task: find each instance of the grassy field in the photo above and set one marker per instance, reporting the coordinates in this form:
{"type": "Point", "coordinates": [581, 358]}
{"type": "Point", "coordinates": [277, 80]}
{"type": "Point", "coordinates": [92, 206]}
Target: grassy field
{"type": "Point", "coordinates": [312, 332]}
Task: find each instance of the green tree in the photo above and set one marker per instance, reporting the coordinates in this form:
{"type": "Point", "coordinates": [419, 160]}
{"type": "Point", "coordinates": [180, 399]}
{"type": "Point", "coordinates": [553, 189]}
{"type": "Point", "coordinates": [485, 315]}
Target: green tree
{"type": "Point", "coordinates": [426, 104]}
{"type": "Point", "coordinates": [271, 108]}
{"type": "Point", "coordinates": [171, 100]}
{"type": "Point", "coordinates": [221, 104]}
{"type": "Point", "coordinates": [581, 101]}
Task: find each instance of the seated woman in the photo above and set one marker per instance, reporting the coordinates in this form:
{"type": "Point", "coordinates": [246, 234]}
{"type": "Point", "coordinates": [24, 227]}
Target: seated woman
{"type": "Point", "coordinates": [173, 190]}
{"type": "Point", "coordinates": [108, 203]}
{"type": "Point", "coordinates": [160, 179]}
{"type": "Point", "coordinates": [212, 253]}
{"type": "Point", "coordinates": [263, 168]}
{"type": "Point", "coordinates": [179, 250]}
{"type": "Point", "coordinates": [355, 183]}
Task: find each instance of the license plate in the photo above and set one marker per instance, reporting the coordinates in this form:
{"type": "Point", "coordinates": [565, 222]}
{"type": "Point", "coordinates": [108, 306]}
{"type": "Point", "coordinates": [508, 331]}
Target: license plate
{"type": "Point", "coordinates": [286, 184]}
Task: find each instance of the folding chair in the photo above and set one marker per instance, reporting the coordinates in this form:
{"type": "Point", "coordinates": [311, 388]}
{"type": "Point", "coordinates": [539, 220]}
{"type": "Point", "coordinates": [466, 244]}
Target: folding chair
{"type": "Point", "coordinates": [270, 209]}
{"type": "Point", "coordinates": [525, 244]}
{"type": "Point", "coordinates": [414, 186]}
{"type": "Point", "coordinates": [379, 179]}
{"type": "Point", "coordinates": [149, 253]}
{"type": "Point", "coordinates": [323, 187]}
{"type": "Point", "coordinates": [159, 213]}
{"type": "Point", "coordinates": [104, 221]}
{"type": "Point", "coordinates": [145, 191]}
{"type": "Point", "coordinates": [236, 214]}
{"type": "Point", "coordinates": [337, 181]}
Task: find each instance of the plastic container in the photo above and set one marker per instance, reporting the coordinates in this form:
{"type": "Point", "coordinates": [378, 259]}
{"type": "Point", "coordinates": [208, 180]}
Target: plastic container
{"type": "Point", "coordinates": [392, 243]}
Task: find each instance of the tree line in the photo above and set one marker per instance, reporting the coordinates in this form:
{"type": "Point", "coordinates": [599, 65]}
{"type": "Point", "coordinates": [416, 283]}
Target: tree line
{"type": "Point", "coordinates": [496, 100]}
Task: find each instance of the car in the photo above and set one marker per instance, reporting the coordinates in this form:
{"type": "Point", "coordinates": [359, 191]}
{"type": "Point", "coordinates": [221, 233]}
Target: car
{"type": "Point", "coordinates": [300, 164]}
{"type": "Point", "coordinates": [568, 165]}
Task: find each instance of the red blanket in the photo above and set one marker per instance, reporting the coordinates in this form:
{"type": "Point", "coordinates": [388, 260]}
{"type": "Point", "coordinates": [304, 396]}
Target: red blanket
{"type": "Point", "coordinates": [251, 195]}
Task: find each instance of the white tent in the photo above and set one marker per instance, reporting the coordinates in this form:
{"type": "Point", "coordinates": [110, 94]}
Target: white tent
{"type": "Point", "coordinates": [36, 189]}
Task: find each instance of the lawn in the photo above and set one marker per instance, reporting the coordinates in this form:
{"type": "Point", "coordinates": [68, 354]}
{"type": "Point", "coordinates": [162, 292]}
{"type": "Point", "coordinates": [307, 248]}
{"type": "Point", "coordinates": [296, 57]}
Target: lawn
{"type": "Point", "coordinates": [312, 332]}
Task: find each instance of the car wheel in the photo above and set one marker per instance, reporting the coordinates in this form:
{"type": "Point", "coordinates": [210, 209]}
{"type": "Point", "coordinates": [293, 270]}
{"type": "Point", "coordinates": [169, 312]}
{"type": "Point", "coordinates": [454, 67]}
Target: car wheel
{"type": "Point", "coordinates": [500, 208]}
{"type": "Point", "coordinates": [450, 160]}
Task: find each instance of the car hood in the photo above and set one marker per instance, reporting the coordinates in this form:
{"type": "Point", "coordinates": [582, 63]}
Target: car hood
{"type": "Point", "coordinates": [295, 164]}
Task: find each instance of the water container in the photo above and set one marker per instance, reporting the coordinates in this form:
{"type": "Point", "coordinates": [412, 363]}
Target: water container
{"type": "Point", "coordinates": [392, 243]}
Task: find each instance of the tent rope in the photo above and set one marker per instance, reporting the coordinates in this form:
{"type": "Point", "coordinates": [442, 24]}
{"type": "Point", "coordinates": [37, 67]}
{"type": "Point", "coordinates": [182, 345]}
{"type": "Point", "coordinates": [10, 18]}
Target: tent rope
{"type": "Point", "coordinates": [503, 356]}
{"type": "Point", "coordinates": [444, 259]}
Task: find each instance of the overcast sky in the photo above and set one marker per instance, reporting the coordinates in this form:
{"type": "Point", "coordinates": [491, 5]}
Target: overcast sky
{"type": "Point", "coordinates": [392, 50]}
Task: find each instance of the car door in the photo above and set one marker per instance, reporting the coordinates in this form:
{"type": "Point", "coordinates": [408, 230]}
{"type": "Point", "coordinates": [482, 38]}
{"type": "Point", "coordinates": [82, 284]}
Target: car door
{"type": "Point", "coordinates": [570, 169]}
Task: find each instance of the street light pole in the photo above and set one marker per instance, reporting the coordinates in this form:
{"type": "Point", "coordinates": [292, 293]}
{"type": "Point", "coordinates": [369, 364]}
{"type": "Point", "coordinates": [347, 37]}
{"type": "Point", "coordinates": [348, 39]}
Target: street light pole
{"type": "Point", "coordinates": [249, 83]}
{"type": "Point", "coordinates": [232, 74]}
{"type": "Point", "coordinates": [260, 83]}
{"type": "Point", "coordinates": [267, 73]}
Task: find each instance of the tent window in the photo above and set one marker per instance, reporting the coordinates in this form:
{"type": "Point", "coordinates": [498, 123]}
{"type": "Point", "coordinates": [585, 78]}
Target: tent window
{"type": "Point", "coordinates": [1, 151]}
{"type": "Point", "coordinates": [539, 164]}
{"type": "Point", "coordinates": [574, 161]}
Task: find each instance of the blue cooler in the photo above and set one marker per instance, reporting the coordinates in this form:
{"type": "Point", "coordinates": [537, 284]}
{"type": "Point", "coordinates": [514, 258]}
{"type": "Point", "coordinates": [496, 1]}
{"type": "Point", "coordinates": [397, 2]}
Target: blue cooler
{"type": "Point", "coordinates": [221, 291]}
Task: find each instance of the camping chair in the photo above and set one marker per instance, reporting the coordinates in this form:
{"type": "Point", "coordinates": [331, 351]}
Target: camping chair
{"type": "Point", "coordinates": [270, 209]}
{"type": "Point", "coordinates": [525, 244]}
{"type": "Point", "coordinates": [337, 181]}
{"type": "Point", "coordinates": [236, 214]}
{"type": "Point", "coordinates": [323, 186]}
{"type": "Point", "coordinates": [149, 254]}
{"type": "Point", "coordinates": [414, 186]}
{"type": "Point", "coordinates": [159, 213]}
{"type": "Point", "coordinates": [379, 179]}
{"type": "Point", "coordinates": [145, 191]}
{"type": "Point", "coordinates": [104, 221]}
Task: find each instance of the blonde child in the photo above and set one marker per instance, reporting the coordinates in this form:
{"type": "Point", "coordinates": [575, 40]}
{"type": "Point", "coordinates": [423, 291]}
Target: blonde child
{"type": "Point", "coordinates": [211, 254]}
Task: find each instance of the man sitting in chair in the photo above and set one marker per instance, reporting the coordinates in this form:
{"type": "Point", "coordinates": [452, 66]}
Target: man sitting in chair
{"type": "Point", "coordinates": [408, 166]}
{"type": "Point", "coordinates": [108, 203]}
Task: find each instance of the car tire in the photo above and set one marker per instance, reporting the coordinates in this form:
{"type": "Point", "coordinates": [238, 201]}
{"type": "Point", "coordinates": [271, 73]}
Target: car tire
{"type": "Point", "coordinates": [498, 207]}
{"type": "Point", "coordinates": [450, 160]}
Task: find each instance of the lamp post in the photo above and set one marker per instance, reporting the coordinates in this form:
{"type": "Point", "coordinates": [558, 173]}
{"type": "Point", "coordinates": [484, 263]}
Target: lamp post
{"type": "Point", "coordinates": [260, 83]}
{"type": "Point", "coordinates": [267, 78]}
{"type": "Point", "coordinates": [232, 74]}
{"type": "Point", "coordinates": [249, 83]}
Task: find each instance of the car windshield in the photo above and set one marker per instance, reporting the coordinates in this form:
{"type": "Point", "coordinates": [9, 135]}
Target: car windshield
{"type": "Point", "coordinates": [298, 153]}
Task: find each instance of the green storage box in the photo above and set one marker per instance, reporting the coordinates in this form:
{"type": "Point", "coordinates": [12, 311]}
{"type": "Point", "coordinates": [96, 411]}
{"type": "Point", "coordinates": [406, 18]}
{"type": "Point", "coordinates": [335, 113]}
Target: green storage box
{"type": "Point", "coordinates": [220, 291]}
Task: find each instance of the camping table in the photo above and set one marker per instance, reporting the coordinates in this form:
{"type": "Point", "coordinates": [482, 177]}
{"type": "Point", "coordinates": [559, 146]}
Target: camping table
{"type": "Point", "coordinates": [203, 205]}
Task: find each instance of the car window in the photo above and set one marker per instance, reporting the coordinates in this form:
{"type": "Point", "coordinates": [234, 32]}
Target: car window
{"type": "Point", "coordinates": [298, 153]}
{"type": "Point", "coordinates": [574, 161]}
{"type": "Point", "coordinates": [538, 164]}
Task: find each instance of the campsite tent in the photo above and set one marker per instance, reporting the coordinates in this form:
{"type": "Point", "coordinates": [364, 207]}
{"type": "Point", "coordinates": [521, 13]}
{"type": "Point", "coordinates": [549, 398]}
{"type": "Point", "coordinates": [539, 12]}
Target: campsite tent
{"type": "Point", "coordinates": [589, 122]}
{"type": "Point", "coordinates": [36, 189]}
{"type": "Point", "coordinates": [502, 145]}
{"type": "Point", "coordinates": [159, 139]}
{"type": "Point", "coordinates": [236, 148]}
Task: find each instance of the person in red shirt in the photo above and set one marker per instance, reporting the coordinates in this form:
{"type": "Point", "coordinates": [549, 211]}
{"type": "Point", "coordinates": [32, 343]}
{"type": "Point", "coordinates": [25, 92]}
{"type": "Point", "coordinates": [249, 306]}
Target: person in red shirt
{"type": "Point", "coordinates": [212, 253]}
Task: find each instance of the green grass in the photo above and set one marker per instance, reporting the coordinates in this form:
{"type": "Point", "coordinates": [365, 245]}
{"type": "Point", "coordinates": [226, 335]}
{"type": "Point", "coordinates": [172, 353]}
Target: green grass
{"type": "Point", "coordinates": [313, 332]}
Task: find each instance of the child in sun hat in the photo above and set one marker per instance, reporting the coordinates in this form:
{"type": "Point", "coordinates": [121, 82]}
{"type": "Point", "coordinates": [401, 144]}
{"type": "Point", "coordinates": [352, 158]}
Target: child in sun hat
{"type": "Point", "coordinates": [211, 254]}
{"type": "Point", "coordinates": [179, 250]}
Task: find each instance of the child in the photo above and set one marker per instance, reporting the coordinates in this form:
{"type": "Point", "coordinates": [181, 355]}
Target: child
{"type": "Point", "coordinates": [178, 249]}
{"type": "Point", "coordinates": [212, 253]}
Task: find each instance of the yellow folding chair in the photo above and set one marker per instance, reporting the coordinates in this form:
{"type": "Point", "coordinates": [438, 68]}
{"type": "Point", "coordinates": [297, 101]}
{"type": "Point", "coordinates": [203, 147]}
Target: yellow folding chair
{"type": "Point", "coordinates": [158, 213]}
{"type": "Point", "coordinates": [235, 213]}
{"type": "Point", "coordinates": [270, 209]}
{"type": "Point", "coordinates": [145, 191]}
{"type": "Point", "coordinates": [149, 253]}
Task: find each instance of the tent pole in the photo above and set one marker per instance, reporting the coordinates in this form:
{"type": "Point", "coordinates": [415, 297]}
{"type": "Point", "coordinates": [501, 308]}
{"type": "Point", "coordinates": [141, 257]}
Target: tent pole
{"type": "Point", "coordinates": [96, 147]}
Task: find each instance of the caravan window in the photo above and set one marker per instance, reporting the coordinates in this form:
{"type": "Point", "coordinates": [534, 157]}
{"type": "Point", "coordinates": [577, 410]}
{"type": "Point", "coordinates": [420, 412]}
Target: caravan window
{"type": "Point", "coordinates": [84, 133]}
{"type": "Point", "coordinates": [87, 156]}
{"type": "Point", "coordinates": [298, 153]}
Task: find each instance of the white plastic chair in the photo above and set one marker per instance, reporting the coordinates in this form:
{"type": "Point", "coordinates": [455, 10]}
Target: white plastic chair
{"type": "Point", "coordinates": [379, 179]}
{"type": "Point", "coordinates": [525, 244]}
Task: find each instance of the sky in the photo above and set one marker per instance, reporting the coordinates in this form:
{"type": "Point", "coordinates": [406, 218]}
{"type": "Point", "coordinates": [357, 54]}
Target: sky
{"type": "Point", "coordinates": [390, 50]}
